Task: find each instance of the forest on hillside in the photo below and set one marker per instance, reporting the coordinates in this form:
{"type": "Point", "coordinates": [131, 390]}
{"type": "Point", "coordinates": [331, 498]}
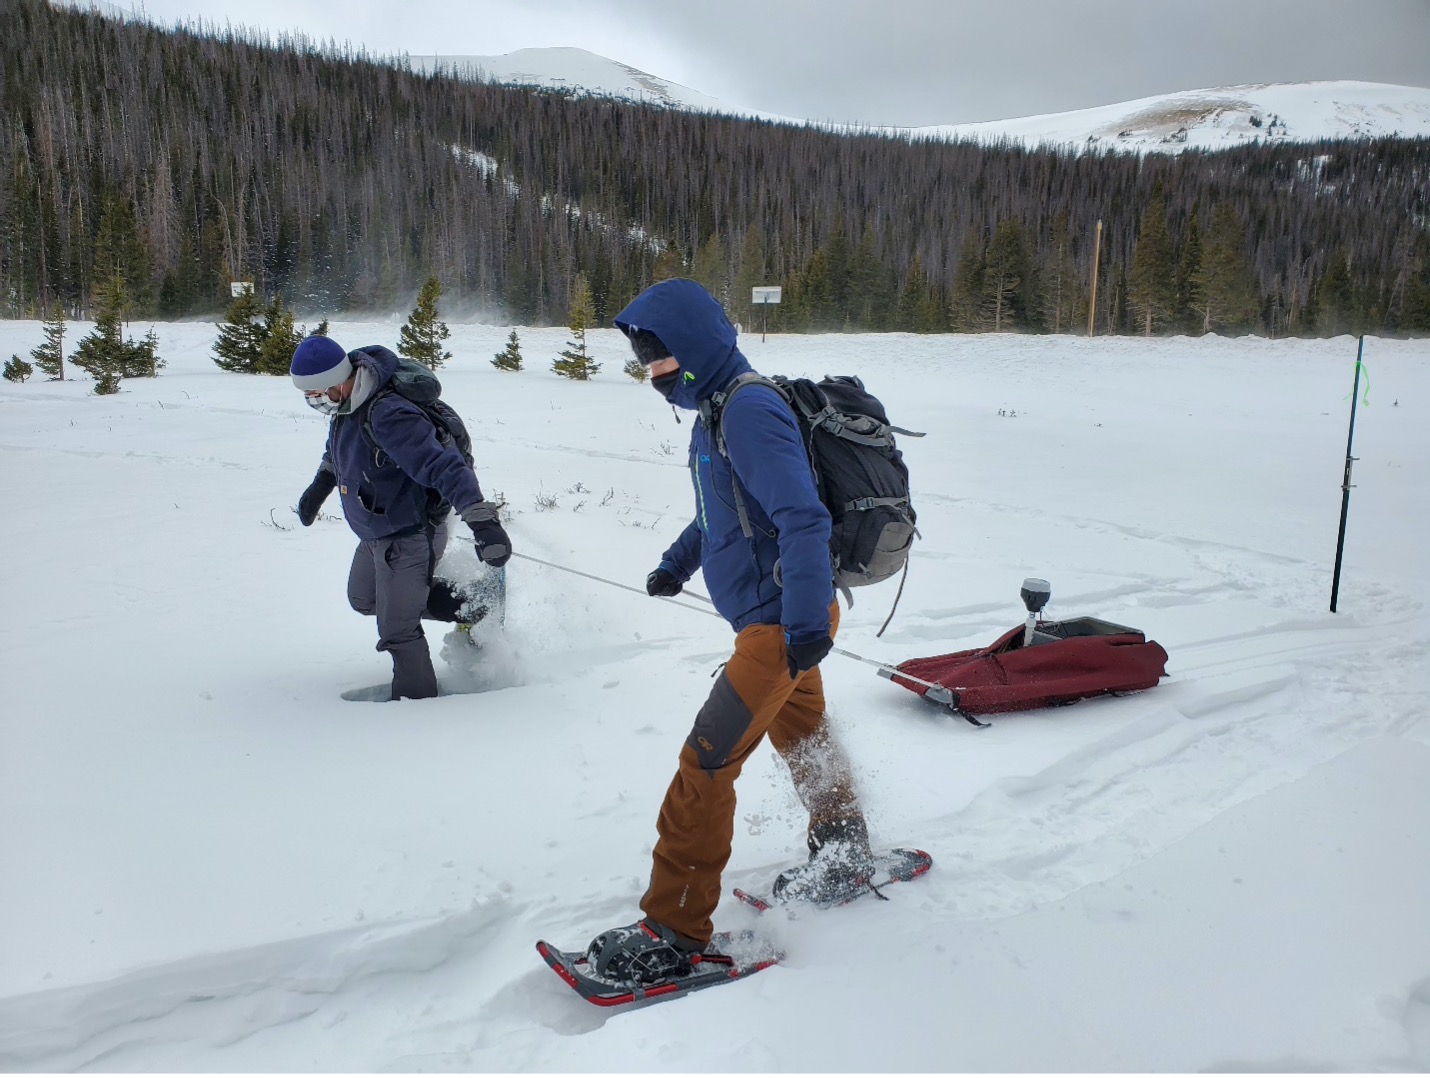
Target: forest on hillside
{"type": "Point", "coordinates": [173, 162]}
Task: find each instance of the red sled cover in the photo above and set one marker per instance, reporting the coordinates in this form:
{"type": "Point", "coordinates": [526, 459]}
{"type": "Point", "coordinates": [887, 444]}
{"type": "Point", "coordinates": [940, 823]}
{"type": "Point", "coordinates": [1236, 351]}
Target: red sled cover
{"type": "Point", "coordinates": [1067, 661]}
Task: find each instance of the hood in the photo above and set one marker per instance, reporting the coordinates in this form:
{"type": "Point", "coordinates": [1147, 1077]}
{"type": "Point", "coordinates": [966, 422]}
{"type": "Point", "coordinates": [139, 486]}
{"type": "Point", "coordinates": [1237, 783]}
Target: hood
{"type": "Point", "coordinates": [374, 367]}
{"type": "Point", "coordinates": [695, 328]}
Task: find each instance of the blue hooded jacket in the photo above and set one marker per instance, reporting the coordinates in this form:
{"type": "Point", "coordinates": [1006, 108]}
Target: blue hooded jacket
{"type": "Point", "coordinates": [385, 493]}
{"type": "Point", "coordinates": [767, 458]}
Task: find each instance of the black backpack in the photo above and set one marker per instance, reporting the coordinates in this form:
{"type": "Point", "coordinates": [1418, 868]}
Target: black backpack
{"type": "Point", "coordinates": [414, 382]}
{"type": "Point", "coordinates": [858, 470]}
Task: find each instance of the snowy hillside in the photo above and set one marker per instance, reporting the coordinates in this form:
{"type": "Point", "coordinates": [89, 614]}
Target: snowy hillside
{"type": "Point", "coordinates": [212, 862]}
{"type": "Point", "coordinates": [1211, 119]}
{"type": "Point", "coordinates": [575, 70]}
{"type": "Point", "coordinates": [1221, 118]}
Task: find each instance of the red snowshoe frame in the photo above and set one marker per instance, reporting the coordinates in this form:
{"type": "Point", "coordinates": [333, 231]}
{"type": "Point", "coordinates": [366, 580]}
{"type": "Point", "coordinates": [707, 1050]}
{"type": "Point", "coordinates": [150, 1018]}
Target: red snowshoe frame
{"type": "Point", "coordinates": [1066, 661]}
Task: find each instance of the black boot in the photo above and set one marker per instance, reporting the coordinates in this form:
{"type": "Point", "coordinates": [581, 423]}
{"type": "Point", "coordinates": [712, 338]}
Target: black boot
{"type": "Point", "coordinates": [839, 868]}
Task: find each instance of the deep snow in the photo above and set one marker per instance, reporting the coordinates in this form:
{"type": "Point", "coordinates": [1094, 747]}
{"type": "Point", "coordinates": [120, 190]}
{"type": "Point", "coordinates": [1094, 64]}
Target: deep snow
{"type": "Point", "coordinates": [211, 862]}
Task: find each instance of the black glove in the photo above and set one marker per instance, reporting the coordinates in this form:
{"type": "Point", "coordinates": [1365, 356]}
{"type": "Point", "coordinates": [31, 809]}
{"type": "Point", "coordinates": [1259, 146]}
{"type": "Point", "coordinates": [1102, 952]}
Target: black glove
{"type": "Point", "coordinates": [804, 657]}
{"type": "Point", "coordinates": [662, 582]}
{"type": "Point", "coordinates": [493, 543]}
{"type": "Point", "coordinates": [317, 493]}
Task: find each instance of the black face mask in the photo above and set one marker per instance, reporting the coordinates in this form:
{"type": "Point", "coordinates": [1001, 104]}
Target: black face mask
{"type": "Point", "coordinates": [665, 384]}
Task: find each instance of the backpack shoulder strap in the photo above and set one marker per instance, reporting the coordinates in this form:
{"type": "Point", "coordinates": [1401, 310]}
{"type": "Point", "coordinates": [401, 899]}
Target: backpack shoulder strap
{"type": "Point", "coordinates": [379, 458]}
{"type": "Point", "coordinates": [713, 411]}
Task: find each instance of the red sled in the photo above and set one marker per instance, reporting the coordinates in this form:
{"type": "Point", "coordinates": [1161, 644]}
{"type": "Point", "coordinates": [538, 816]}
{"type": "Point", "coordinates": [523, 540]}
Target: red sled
{"type": "Point", "coordinates": [1066, 661]}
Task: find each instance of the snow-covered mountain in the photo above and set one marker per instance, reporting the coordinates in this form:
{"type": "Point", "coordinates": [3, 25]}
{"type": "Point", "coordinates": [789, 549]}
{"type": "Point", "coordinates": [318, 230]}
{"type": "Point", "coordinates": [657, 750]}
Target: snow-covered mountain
{"type": "Point", "coordinates": [1221, 117]}
{"type": "Point", "coordinates": [1215, 118]}
{"type": "Point", "coordinates": [578, 71]}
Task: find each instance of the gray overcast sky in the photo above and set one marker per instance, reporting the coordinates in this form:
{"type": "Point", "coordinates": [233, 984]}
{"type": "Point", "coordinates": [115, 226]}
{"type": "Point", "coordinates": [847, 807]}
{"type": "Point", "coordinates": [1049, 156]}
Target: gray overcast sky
{"type": "Point", "coordinates": [904, 62]}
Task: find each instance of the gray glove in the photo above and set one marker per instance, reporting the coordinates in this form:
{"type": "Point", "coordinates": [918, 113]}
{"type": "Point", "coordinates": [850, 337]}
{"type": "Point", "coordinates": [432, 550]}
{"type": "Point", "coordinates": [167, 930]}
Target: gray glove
{"type": "Point", "coordinates": [493, 543]}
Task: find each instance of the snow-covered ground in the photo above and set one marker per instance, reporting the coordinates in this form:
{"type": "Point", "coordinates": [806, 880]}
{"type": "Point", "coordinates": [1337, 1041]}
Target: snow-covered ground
{"type": "Point", "coordinates": [209, 861]}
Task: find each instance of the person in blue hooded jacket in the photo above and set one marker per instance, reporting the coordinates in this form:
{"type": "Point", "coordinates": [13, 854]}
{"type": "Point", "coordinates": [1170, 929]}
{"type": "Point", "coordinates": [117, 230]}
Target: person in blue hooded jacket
{"type": "Point", "coordinates": [384, 490]}
{"type": "Point", "coordinates": [776, 589]}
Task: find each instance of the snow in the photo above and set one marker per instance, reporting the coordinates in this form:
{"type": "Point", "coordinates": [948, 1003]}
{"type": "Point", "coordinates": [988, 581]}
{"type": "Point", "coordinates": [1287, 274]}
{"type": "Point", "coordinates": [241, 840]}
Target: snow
{"type": "Point", "coordinates": [1219, 118]}
{"type": "Point", "coordinates": [1213, 118]}
{"type": "Point", "coordinates": [213, 863]}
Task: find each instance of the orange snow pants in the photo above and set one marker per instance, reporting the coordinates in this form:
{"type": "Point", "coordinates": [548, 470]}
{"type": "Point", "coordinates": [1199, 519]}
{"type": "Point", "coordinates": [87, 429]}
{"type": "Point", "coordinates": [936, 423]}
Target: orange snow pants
{"type": "Point", "coordinates": [753, 696]}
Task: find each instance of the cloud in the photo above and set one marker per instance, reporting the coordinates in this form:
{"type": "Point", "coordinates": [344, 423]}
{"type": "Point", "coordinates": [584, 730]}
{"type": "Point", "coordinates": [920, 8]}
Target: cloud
{"type": "Point", "coordinates": [909, 62]}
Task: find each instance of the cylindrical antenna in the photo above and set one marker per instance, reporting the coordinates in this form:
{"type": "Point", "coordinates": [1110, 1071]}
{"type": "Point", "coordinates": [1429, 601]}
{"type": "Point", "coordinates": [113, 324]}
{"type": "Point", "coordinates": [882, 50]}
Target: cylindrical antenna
{"type": "Point", "coordinates": [1035, 592]}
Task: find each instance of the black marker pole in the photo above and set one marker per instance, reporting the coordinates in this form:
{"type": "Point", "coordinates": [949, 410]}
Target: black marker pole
{"type": "Point", "coordinates": [1346, 482]}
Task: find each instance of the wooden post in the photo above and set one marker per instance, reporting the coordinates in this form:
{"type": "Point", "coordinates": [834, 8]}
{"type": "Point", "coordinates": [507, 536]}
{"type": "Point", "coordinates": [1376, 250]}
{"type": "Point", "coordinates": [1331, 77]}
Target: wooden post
{"type": "Point", "coordinates": [1096, 254]}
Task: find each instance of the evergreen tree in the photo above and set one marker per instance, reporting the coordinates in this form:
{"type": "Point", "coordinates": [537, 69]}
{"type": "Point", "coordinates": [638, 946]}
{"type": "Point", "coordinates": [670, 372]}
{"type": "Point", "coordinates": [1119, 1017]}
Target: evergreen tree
{"type": "Point", "coordinates": [1415, 307]}
{"type": "Point", "coordinates": [50, 356]}
{"type": "Point", "coordinates": [322, 330]}
{"type": "Point", "coordinates": [913, 300]}
{"type": "Point", "coordinates": [239, 346]}
{"type": "Point", "coordinates": [119, 250]}
{"type": "Point", "coordinates": [1190, 303]}
{"type": "Point", "coordinates": [637, 370]}
{"type": "Point", "coordinates": [143, 358]}
{"type": "Point", "coordinates": [1335, 299]}
{"type": "Point", "coordinates": [1004, 276]}
{"type": "Point", "coordinates": [421, 338]}
{"type": "Point", "coordinates": [868, 303]}
{"type": "Point", "coordinates": [104, 353]}
{"type": "Point", "coordinates": [17, 370]}
{"type": "Point", "coordinates": [670, 263]}
{"type": "Point", "coordinates": [1064, 301]}
{"type": "Point", "coordinates": [1151, 288]}
{"type": "Point", "coordinates": [575, 362]}
{"type": "Point", "coordinates": [751, 275]}
{"type": "Point", "coordinates": [1230, 296]}
{"type": "Point", "coordinates": [712, 269]}
{"type": "Point", "coordinates": [509, 358]}
{"type": "Point", "coordinates": [816, 295]}
{"type": "Point", "coordinates": [965, 311]}
{"type": "Point", "coordinates": [280, 339]}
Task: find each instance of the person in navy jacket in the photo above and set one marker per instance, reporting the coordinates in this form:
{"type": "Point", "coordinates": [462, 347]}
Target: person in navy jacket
{"type": "Point", "coordinates": [776, 589]}
{"type": "Point", "coordinates": [384, 490]}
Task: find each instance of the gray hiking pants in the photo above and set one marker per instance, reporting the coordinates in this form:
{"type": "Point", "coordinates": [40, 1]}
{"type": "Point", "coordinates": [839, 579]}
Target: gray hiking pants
{"type": "Point", "coordinates": [391, 578]}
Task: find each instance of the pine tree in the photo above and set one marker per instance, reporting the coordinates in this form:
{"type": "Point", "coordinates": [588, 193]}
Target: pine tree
{"type": "Point", "coordinates": [1335, 298]}
{"type": "Point", "coordinates": [964, 312]}
{"type": "Point", "coordinates": [322, 330]}
{"type": "Point", "coordinates": [816, 295]}
{"type": "Point", "coordinates": [50, 356]}
{"type": "Point", "coordinates": [1189, 271]}
{"type": "Point", "coordinates": [1063, 299]}
{"type": "Point", "coordinates": [670, 263]}
{"type": "Point", "coordinates": [712, 269]}
{"type": "Point", "coordinates": [280, 339]}
{"type": "Point", "coordinates": [17, 370]}
{"type": "Point", "coordinates": [421, 338]}
{"type": "Point", "coordinates": [509, 358]}
{"type": "Point", "coordinates": [751, 275]}
{"type": "Point", "coordinates": [142, 359]}
{"type": "Point", "coordinates": [1004, 276]}
{"type": "Point", "coordinates": [239, 346]}
{"type": "Point", "coordinates": [1229, 293]}
{"type": "Point", "coordinates": [104, 354]}
{"type": "Point", "coordinates": [575, 362]}
{"type": "Point", "coordinates": [1151, 289]}
{"type": "Point", "coordinates": [913, 299]}
{"type": "Point", "coordinates": [119, 250]}
{"type": "Point", "coordinates": [637, 370]}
